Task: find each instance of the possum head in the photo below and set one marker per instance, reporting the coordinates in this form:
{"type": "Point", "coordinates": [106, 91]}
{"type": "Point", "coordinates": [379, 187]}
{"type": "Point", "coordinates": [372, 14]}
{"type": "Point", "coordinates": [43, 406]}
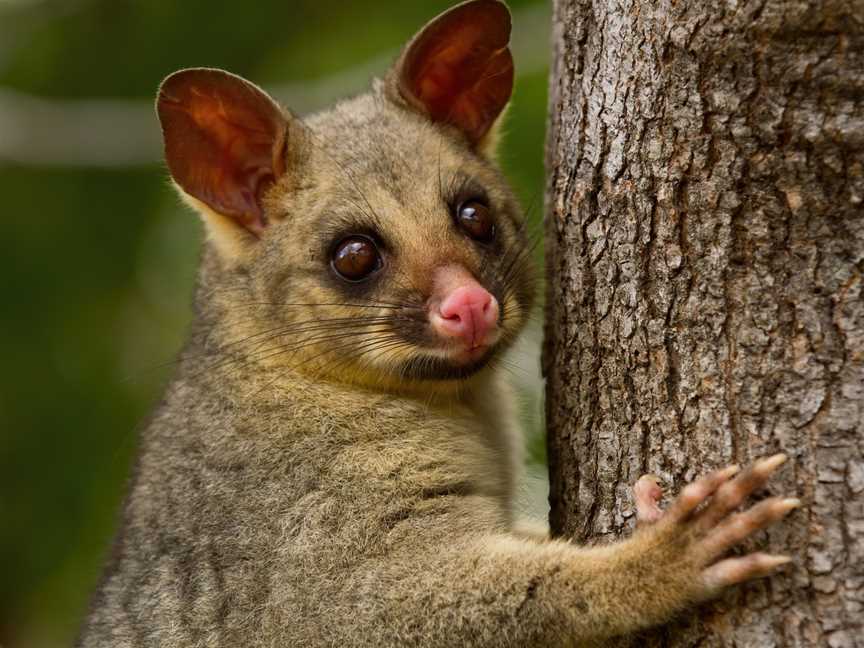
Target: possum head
{"type": "Point", "coordinates": [376, 241]}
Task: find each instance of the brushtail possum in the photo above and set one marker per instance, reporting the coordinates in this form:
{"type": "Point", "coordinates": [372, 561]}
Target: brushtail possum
{"type": "Point", "coordinates": [333, 463]}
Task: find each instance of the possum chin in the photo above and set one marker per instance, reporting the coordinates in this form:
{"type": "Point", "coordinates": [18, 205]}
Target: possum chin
{"type": "Point", "coordinates": [458, 367]}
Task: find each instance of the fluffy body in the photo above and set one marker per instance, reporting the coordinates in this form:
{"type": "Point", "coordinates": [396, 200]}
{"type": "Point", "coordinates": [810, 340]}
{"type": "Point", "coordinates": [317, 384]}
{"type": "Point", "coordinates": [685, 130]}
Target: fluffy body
{"type": "Point", "coordinates": [314, 475]}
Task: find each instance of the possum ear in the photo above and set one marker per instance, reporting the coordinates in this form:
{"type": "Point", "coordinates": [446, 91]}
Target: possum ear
{"type": "Point", "coordinates": [458, 69]}
{"type": "Point", "coordinates": [225, 146]}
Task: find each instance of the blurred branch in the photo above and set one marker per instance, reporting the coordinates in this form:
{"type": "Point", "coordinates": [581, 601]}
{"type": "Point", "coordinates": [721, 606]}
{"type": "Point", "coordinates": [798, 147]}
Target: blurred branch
{"type": "Point", "coordinates": [119, 133]}
{"type": "Point", "coordinates": [94, 132]}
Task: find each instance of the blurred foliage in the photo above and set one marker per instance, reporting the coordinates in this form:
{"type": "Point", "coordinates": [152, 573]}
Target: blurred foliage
{"type": "Point", "coordinates": [97, 264]}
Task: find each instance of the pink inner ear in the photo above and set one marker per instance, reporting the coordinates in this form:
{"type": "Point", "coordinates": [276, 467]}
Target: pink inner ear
{"type": "Point", "coordinates": [459, 68]}
{"type": "Point", "coordinates": [224, 142]}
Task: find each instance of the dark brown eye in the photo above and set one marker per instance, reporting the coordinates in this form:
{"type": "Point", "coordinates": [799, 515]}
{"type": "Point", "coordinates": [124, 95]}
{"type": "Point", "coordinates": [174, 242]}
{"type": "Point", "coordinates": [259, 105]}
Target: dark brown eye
{"type": "Point", "coordinates": [475, 219]}
{"type": "Point", "coordinates": [355, 258]}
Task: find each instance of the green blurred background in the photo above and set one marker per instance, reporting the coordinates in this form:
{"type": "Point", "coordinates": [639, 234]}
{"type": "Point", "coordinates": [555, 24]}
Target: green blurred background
{"type": "Point", "coordinates": [97, 258]}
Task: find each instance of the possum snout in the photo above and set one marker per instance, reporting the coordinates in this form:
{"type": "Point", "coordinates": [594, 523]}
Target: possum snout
{"type": "Point", "coordinates": [462, 309]}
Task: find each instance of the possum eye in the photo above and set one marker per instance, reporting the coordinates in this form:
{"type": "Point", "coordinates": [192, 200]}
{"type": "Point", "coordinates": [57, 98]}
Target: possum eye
{"type": "Point", "coordinates": [355, 258]}
{"type": "Point", "coordinates": [475, 219]}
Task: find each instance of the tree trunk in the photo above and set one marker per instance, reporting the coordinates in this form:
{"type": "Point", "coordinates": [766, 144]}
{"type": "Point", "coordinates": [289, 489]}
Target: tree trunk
{"type": "Point", "coordinates": [705, 246]}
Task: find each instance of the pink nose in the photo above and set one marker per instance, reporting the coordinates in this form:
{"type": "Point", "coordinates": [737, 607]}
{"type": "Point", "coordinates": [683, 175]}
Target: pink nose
{"type": "Point", "coordinates": [469, 313]}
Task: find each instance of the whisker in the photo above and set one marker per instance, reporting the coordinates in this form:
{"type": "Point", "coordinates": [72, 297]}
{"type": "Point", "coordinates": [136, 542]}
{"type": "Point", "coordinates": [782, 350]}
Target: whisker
{"type": "Point", "coordinates": [386, 342]}
{"type": "Point", "coordinates": [304, 326]}
{"type": "Point", "coordinates": [260, 355]}
{"type": "Point", "coordinates": [346, 305]}
{"type": "Point", "coordinates": [256, 354]}
{"type": "Point", "coordinates": [251, 319]}
{"type": "Point", "coordinates": [335, 349]}
{"type": "Point", "coordinates": [371, 304]}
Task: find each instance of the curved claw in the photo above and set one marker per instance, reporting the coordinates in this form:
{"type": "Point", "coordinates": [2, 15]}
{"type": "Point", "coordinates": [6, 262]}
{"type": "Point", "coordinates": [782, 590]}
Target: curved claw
{"type": "Point", "coordinates": [695, 493]}
{"type": "Point", "coordinates": [737, 570]}
{"type": "Point", "coordinates": [731, 494]}
{"type": "Point", "coordinates": [740, 526]}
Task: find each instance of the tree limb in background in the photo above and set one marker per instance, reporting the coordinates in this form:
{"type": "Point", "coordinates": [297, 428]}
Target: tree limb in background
{"type": "Point", "coordinates": [117, 133]}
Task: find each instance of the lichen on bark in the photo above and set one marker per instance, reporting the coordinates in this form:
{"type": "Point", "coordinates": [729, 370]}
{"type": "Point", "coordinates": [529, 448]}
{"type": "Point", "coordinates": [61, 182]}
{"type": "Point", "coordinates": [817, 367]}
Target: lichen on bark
{"type": "Point", "coordinates": [705, 250]}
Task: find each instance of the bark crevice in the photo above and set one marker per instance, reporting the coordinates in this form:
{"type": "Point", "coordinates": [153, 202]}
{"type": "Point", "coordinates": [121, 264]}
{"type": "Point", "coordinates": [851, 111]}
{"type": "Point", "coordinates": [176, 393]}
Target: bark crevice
{"type": "Point", "coordinates": [705, 248]}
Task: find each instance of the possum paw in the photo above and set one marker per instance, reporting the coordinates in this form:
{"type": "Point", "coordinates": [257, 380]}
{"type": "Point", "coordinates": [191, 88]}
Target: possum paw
{"type": "Point", "coordinates": [703, 523]}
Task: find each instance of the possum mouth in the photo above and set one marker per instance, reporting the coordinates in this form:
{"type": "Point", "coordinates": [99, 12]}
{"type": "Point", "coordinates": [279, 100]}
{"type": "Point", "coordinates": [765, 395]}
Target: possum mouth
{"type": "Point", "coordinates": [427, 367]}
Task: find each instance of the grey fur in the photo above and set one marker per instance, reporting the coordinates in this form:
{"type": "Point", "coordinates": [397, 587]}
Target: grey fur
{"type": "Point", "coordinates": [313, 495]}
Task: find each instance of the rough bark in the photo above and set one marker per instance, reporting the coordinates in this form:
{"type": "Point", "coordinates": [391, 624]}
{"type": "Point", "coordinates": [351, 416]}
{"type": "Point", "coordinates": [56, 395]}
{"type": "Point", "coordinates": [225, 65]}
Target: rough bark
{"type": "Point", "coordinates": [705, 242]}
